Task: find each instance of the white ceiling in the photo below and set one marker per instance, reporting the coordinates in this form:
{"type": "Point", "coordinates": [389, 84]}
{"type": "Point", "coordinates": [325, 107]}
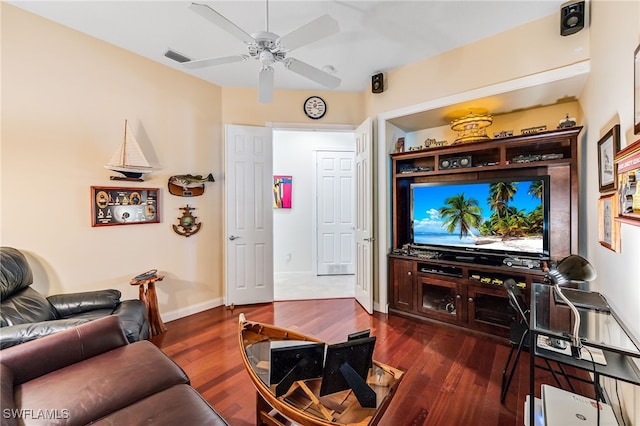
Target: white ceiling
{"type": "Point", "coordinates": [375, 36]}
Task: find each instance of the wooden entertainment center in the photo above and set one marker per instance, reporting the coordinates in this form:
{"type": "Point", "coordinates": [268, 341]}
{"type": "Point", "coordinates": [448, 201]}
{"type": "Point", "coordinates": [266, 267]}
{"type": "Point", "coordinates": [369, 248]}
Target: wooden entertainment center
{"type": "Point", "coordinates": [467, 290]}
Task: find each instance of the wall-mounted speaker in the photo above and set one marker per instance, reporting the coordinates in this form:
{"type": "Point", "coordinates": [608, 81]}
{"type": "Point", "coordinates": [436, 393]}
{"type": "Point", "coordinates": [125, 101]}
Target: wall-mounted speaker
{"type": "Point", "coordinates": [573, 17]}
{"type": "Point", "coordinates": [377, 83]}
{"type": "Point", "coordinates": [455, 162]}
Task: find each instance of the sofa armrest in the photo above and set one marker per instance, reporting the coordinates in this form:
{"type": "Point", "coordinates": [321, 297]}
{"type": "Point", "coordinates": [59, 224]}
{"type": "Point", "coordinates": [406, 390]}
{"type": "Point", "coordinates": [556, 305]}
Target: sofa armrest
{"type": "Point", "coordinates": [7, 401]}
{"type": "Point", "coordinates": [21, 333]}
{"type": "Point", "coordinates": [133, 319]}
{"type": "Point", "coordinates": [77, 303]}
{"type": "Point", "coordinates": [42, 356]}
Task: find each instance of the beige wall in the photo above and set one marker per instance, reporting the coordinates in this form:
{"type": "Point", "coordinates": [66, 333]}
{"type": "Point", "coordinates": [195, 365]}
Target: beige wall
{"type": "Point", "coordinates": [608, 100]}
{"type": "Point", "coordinates": [526, 50]}
{"type": "Point", "coordinates": [65, 97]}
{"type": "Point", "coordinates": [240, 106]}
{"type": "Point", "coordinates": [549, 116]}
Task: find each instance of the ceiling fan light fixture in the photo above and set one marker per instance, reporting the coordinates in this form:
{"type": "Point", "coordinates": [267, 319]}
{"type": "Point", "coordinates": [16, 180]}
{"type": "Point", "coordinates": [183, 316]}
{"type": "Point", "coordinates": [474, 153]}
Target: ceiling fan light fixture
{"type": "Point", "coordinates": [266, 58]}
{"type": "Point", "coordinates": [265, 84]}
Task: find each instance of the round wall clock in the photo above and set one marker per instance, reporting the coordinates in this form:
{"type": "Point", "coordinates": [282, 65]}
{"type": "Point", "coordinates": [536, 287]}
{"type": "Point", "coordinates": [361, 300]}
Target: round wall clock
{"type": "Point", "coordinates": [315, 107]}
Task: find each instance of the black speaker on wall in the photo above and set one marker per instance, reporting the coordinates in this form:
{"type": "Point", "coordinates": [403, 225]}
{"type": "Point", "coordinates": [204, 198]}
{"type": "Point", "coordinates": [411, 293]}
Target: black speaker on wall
{"type": "Point", "coordinates": [377, 83]}
{"type": "Point", "coordinates": [573, 17]}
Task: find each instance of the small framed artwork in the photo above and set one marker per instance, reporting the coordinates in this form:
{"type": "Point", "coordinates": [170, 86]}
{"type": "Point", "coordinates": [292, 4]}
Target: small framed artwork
{"type": "Point", "coordinates": [608, 227]}
{"type": "Point", "coordinates": [608, 147]}
{"type": "Point", "coordinates": [282, 186]}
{"type": "Point", "coordinates": [124, 206]}
{"type": "Point", "coordinates": [628, 177]}
{"type": "Point", "coordinates": [636, 91]}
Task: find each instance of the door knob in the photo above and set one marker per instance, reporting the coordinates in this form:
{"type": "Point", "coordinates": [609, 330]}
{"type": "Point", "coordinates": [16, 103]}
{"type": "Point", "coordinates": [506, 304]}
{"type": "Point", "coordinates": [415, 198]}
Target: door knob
{"type": "Point", "coordinates": [233, 237]}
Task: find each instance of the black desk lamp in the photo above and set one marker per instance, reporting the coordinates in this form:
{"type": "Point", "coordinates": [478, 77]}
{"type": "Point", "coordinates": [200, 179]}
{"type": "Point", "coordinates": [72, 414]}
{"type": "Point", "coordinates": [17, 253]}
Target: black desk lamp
{"type": "Point", "coordinates": [572, 267]}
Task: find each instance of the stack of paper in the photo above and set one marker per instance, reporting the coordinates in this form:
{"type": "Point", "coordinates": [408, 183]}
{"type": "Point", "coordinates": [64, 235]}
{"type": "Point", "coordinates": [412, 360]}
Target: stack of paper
{"type": "Point", "coordinates": [562, 408]}
{"type": "Point", "coordinates": [537, 406]}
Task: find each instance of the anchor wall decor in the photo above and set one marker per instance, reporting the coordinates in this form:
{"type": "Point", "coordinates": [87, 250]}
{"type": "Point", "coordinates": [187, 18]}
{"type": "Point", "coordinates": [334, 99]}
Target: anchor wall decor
{"type": "Point", "coordinates": [188, 223]}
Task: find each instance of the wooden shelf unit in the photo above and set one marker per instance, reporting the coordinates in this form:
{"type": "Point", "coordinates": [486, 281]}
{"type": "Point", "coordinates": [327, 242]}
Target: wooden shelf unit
{"type": "Point", "coordinates": [415, 290]}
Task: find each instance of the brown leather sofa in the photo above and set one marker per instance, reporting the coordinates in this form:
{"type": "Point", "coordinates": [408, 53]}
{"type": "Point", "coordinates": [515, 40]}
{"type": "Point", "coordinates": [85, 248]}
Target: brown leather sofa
{"type": "Point", "coordinates": [91, 374]}
{"type": "Point", "coordinates": [26, 314]}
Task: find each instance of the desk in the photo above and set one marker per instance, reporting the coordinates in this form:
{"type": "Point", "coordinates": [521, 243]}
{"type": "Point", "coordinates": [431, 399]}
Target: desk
{"type": "Point", "coordinates": [150, 299]}
{"type": "Point", "coordinates": [599, 329]}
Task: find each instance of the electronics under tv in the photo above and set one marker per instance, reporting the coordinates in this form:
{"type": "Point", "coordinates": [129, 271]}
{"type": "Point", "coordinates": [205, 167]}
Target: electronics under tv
{"type": "Point", "coordinates": [514, 224]}
{"type": "Point", "coordinates": [292, 363]}
{"type": "Point", "coordinates": [347, 366]}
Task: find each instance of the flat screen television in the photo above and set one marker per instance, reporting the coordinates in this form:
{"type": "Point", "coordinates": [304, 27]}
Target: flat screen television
{"type": "Point", "coordinates": [495, 217]}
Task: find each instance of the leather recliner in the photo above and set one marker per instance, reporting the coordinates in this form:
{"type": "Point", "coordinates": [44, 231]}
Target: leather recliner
{"type": "Point", "coordinates": [26, 314]}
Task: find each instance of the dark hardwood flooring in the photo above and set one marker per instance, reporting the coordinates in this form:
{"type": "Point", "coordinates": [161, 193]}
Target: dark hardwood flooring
{"type": "Point", "coordinates": [452, 376]}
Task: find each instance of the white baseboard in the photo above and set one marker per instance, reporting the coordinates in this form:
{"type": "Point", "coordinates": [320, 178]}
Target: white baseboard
{"type": "Point", "coordinates": [193, 309]}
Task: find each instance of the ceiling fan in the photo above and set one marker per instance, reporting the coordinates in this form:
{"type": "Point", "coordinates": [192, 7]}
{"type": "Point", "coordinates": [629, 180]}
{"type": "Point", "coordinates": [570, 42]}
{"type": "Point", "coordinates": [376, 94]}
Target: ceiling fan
{"type": "Point", "coordinates": [267, 48]}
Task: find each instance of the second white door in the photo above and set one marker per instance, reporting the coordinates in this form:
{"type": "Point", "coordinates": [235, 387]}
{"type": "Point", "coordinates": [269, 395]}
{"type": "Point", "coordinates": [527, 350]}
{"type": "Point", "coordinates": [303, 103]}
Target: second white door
{"type": "Point", "coordinates": [335, 213]}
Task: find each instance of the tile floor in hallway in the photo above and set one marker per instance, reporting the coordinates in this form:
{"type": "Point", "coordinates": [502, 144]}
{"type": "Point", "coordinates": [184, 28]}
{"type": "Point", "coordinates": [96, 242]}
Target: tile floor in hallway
{"type": "Point", "coordinates": [300, 286]}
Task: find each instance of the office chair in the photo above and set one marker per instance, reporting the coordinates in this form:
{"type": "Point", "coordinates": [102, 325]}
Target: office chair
{"type": "Point", "coordinates": [519, 339]}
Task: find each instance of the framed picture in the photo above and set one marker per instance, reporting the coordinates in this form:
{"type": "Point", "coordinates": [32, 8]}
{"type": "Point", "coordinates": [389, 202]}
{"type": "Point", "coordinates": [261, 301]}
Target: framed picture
{"type": "Point", "coordinates": [282, 187]}
{"type": "Point", "coordinates": [636, 91]}
{"type": "Point", "coordinates": [608, 147]}
{"type": "Point", "coordinates": [124, 206]}
{"type": "Point", "coordinates": [608, 227]}
{"type": "Point", "coordinates": [628, 178]}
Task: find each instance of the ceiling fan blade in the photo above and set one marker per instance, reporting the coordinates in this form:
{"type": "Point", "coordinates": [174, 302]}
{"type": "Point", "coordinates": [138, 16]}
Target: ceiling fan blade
{"type": "Point", "coordinates": [214, 17]}
{"type": "Point", "coordinates": [265, 85]}
{"type": "Point", "coordinates": [201, 63]}
{"type": "Point", "coordinates": [319, 28]}
{"type": "Point", "coordinates": [312, 73]}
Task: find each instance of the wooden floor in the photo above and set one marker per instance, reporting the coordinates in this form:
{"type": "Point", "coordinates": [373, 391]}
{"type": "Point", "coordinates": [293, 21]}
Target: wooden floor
{"type": "Point", "coordinates": [452, 376]}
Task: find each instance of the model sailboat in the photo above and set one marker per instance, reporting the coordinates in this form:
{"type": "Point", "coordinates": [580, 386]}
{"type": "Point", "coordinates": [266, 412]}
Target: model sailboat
{"type": "Point", "coordinates": [129, 158]}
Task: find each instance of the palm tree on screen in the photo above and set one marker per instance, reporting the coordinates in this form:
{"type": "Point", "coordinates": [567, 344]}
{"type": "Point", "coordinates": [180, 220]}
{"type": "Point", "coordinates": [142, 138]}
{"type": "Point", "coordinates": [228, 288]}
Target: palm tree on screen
{"type": "Point", "coordinates": [535, 189]}
{"type": "Point", "coordinates": [500, 193]}
{"type": "Point", "coordinates": [461, 212]}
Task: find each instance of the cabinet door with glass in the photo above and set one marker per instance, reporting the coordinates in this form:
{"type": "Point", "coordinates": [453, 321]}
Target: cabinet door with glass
{"type": "Point", "coordinates": [440, 298]}
{"type": "Point", "coordinates": [488, 310]}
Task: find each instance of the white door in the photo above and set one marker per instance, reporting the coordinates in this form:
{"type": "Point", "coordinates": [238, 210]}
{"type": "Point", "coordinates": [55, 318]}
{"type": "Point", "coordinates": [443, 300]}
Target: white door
{"type": "Point", "coordinates": [249, 212]}
{"type": "Point", "coordinates": [364, 215]}
{"type": "Point", "coordinates": [335, 213]}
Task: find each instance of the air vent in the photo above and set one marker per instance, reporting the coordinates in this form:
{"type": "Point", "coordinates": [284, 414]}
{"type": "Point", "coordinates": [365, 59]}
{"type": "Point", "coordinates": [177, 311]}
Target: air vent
{"type": "Point", "coordinates": [178, 57]}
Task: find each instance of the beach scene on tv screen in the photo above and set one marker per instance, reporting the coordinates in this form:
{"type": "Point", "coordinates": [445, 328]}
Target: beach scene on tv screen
{"type": "Point", "coordinates": [503, 216]}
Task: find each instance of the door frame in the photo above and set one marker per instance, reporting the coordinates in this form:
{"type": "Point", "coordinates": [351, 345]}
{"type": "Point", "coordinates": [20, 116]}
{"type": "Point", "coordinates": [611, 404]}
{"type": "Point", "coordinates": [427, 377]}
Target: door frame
{"type": "Point", "coordinates": [311, 127]}
{"type": "Point", "coordinates": [314, 204]}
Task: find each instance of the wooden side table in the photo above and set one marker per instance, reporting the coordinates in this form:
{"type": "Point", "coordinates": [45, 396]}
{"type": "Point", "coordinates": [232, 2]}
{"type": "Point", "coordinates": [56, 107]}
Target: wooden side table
{"type": "Point", "coordinates": [150, 299]}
